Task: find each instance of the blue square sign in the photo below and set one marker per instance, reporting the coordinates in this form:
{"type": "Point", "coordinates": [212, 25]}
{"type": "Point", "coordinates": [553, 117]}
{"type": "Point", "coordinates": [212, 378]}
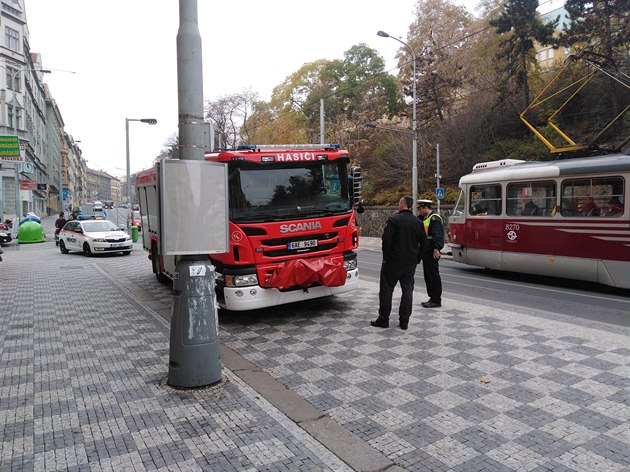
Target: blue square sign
{"type": "Point", "coordinates": [439, 193]}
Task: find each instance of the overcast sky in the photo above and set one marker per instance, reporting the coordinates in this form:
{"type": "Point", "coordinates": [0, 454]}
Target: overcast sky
{"type": "Point", "coordinates": [123, 55]}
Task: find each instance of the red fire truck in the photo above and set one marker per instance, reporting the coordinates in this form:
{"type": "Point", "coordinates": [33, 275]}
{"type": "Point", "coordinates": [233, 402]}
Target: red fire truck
{"type": "Point", "coordinates": [292, 225]}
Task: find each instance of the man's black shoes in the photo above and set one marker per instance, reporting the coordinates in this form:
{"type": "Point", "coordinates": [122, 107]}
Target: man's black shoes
{"type": "Point", "coordinates": [404, 325]}
{"type": "Point", "coordinates": [380, 323]}
{"type": "Point", "coordinates": [431, 304]}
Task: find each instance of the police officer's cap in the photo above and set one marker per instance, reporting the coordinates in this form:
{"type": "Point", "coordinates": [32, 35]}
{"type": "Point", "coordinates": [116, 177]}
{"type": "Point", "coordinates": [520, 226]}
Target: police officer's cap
{"type": "Point", "coordinates": [425, 203]}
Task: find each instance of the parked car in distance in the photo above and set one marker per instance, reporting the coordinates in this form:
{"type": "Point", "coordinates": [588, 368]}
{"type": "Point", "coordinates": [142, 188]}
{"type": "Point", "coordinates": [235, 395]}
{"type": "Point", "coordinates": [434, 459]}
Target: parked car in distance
{"type": "Point", "coordinates": [136, 219]}
{"type": "Point", "coordinates": [5, 234]}
{"type": "Point", "coordinates": [93, 237]}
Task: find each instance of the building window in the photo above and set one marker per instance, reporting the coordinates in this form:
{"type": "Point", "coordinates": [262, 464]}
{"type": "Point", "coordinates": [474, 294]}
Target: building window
{"type": "Point", "coordinates": [11, 39]}
{"type": "Point", "coordinates": [14, 114]}
{"type": "Point", "coordinates": [13, 79]}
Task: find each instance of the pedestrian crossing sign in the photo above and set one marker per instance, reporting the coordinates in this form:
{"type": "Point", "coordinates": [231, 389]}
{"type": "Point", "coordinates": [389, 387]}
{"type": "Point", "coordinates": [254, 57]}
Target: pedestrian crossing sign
{"type": "Point", "coordinates": [439, 193]}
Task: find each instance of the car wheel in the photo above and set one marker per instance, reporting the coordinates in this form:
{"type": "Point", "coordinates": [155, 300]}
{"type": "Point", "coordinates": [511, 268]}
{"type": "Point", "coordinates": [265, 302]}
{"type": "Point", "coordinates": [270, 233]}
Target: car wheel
{"type": "Point", "coordinates": [86, 249]}
{"type": "Point", "coordinates": [126, 253]}
{"type": "Point", "coordinates": [62, 248]}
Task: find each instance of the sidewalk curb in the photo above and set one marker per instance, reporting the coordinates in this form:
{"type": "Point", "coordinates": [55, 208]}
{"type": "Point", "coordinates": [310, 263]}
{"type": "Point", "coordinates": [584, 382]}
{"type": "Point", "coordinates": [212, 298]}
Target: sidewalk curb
{"type": "Point", "coordinates": [345, 445]}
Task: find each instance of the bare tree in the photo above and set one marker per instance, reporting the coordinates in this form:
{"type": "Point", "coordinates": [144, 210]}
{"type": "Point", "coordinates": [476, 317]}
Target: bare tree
{"type": "Point", "coordinates": [229, 116]}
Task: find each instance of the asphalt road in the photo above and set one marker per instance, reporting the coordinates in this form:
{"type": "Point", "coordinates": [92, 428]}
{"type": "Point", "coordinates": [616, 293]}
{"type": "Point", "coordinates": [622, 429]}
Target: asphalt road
{"type": "Point", "coordinates": [561, 299]}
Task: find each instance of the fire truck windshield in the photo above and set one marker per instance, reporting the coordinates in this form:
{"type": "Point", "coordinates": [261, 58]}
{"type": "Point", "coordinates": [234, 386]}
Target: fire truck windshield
{"type": "Point", "coordinates": [281, 192]}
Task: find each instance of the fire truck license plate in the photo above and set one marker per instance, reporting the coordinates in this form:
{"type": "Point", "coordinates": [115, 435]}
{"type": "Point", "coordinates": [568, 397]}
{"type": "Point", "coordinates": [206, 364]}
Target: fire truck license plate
{"type": "Point", "coordinates": [303, 244]}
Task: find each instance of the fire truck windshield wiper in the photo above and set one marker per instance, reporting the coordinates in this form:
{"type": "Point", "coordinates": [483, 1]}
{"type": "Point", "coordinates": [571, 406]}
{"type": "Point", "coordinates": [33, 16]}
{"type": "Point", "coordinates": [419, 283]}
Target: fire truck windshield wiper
{"type": "Point", "coordinates": [323, 211]}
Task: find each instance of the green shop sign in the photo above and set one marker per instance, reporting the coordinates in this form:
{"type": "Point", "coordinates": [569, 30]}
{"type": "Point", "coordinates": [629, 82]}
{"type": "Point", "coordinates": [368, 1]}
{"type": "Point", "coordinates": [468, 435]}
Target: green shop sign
{"type": "Point", "coordinates": [9, 148]}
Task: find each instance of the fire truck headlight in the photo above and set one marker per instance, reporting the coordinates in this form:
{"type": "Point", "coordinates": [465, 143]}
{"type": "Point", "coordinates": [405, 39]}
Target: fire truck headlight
{"type": "Point", "coordinates": [350, 264]}
{"type": "Point", "coordinates": [245, 280]}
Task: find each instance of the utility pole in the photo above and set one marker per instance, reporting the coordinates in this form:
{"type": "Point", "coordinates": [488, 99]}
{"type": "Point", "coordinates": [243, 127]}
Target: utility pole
{"type": "Point", "coordinates": [437, 172]}
{"type": "Point", "coordinates": [194, 357]}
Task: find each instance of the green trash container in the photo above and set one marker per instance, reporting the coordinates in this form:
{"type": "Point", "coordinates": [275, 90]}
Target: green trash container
{"type": "Point", "coordinates": [134, 234]}
{"type": "Point", "coordinates": [30, 232]}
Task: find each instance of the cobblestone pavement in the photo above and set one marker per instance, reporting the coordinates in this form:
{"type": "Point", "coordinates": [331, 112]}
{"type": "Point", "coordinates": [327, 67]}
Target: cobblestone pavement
{"type": "Point", "coordinates": [466, 388]}
{"type": "Point", "coordinates": [82, 370]}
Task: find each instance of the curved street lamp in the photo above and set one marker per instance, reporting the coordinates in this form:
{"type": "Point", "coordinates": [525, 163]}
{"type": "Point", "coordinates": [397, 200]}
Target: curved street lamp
{"type": "Point", "coordinates": [414, 165]}
{"type": "Point", "coordinates": [149, 121]}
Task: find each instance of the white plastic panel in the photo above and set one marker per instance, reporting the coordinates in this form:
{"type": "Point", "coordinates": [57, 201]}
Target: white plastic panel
{"type": "Point", "coordinates": [195, 207]}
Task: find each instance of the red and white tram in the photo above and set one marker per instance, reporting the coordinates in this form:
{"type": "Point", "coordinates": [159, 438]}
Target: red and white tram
{"type": "Point", "coordinates": [565, 218]}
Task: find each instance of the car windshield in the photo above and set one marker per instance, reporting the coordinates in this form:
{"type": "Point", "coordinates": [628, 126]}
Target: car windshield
{"type": "Point", "coordinates": [98, 226]}
{"type": "Point", "coordinates": [278, 192]}
{"type": "Point", "coordinates": [136, 214]}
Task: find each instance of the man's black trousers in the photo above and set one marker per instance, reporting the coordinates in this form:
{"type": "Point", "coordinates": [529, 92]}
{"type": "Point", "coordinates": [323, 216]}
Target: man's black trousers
{"type": "Point", "coordinates": [391, 274]}
{"type": "Point", "coordinates": [431, 268]}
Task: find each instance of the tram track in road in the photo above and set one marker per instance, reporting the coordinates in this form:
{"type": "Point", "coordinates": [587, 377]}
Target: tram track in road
{"type": "Point", "coordinates": [560, 299]}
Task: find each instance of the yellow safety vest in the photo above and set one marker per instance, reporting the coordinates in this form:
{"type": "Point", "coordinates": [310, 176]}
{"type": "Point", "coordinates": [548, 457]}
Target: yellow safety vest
{"type": "Point", "coordinates": [427, 221]}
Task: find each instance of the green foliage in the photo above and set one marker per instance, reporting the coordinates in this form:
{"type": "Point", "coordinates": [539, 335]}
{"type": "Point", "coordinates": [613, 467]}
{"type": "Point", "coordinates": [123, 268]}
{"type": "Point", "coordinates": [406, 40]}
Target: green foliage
{"type": "Point", "coordinates": [527, 150]}
{"type": "Point", "coordinates": [472, 83]}
{"type": "Point", "coordinates": [603, 24]}
{"type": "Point", "coordinates": [521, 24]}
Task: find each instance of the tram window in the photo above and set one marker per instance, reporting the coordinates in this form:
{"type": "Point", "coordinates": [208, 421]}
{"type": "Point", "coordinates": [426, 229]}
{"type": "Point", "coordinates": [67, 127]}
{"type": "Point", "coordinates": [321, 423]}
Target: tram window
{"type": "Point", "coordinates": [460, 206]}
{"type": "Point", "coordinates": [485, 200]}
{"type": "Point", "coordinates": [531, 198]}
{"type": "Point", "coordinates": [591, 196]}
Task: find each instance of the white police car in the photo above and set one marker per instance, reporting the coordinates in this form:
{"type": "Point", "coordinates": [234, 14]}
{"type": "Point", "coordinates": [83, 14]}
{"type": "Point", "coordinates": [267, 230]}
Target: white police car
{"type": "Point", "coordinates": [93, 237]}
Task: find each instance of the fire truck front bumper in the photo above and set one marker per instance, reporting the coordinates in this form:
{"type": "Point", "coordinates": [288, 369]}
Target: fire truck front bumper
{"type": "Point", "coordinates": [254, 296]}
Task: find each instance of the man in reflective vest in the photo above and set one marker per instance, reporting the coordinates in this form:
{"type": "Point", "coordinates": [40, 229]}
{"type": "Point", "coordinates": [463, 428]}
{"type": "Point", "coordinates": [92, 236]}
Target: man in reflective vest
{"type": "Point", "coordinates": [434, 229]}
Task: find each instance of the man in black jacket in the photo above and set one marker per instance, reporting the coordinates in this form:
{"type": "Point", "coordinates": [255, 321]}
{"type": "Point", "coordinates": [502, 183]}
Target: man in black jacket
{"type": "Point", "coordinates": [402, 240]}
{"type": "Point", "coordinates": [434, 230]}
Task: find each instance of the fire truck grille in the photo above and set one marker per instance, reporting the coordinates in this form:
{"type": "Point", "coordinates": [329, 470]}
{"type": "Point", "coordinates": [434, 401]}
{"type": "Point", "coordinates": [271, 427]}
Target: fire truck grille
{"type": "Point", "coordinates": [285, 240]}
{"type": "Point", "coordinates": [287, 252]}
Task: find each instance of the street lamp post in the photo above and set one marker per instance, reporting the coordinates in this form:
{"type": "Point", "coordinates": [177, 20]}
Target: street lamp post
{"type": "Point", "coordinates": [150, 121]}
{"type": "Point", "coordinates": [16, 222]}
{"type": "Point", "coordinates": [414, 166]}
{"type": "Point", "coordinates": [437, 172]}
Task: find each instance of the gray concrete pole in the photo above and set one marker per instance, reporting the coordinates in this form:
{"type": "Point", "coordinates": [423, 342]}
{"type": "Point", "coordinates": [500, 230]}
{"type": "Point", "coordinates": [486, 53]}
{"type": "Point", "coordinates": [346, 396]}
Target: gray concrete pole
{"type": "Point", "coordinates": [437, 171]}
{"type": "Point", "coordinates": [414, 165]}
{"type": "Point", "coordinates": [322, 116]}
{"type": "Point", "coordinates": [189, 83]}
{"type": "Point", "coordinates": [194, 353]}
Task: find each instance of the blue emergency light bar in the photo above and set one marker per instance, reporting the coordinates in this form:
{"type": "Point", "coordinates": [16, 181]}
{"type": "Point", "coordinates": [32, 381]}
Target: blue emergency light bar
{"type": "Point", "coordinates": [271, 147]}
